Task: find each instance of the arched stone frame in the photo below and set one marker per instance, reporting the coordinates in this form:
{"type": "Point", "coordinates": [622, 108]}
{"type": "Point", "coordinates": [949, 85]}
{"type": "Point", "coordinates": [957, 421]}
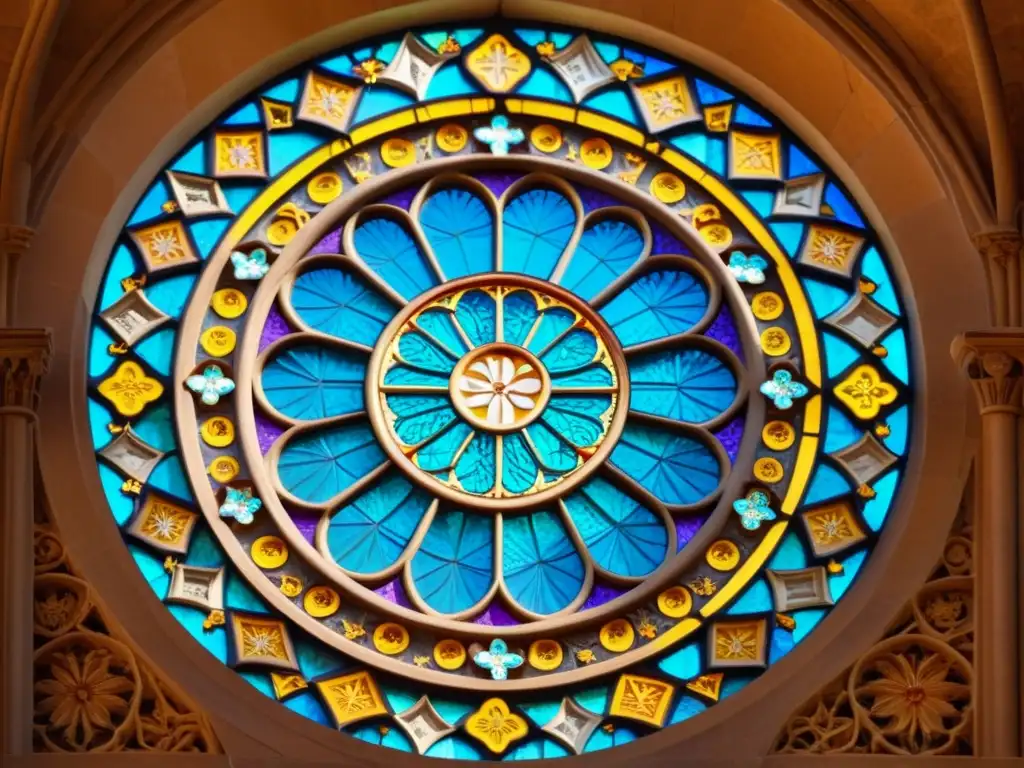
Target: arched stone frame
{"type": "Point", "coordinates": [923, 229]}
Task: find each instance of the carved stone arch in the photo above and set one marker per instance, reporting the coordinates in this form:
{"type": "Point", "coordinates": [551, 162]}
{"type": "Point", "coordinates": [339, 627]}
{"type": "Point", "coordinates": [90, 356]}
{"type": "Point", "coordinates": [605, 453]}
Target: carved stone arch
{"type": "Point", "coordinates": [130, 139]}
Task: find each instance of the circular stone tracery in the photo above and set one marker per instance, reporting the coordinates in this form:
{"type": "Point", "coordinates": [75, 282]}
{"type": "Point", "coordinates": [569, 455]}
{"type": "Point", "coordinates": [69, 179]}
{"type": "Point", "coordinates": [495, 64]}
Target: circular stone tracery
{"type": "Point", "coordinates": [511, 347]}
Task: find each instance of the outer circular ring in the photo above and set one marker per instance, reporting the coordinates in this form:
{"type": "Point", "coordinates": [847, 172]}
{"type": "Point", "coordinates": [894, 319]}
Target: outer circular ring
{"type": "Point", "coordinates": [375, 410]}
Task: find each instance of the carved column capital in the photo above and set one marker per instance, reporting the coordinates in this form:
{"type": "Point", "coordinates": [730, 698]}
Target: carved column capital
{"type": "Point", "coordinates": [15, 239]}
{"type": "Point", "coordinates": [24, 359]}
{"type": "Point", "coordinates": [994, 361]}
{"type": "Point", "coordinates": [999, 245]}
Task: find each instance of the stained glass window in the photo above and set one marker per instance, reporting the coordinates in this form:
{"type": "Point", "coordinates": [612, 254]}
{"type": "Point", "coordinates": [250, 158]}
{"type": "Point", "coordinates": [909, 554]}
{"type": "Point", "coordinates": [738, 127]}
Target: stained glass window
{"type": "Point", "coordinates": [499, 392]}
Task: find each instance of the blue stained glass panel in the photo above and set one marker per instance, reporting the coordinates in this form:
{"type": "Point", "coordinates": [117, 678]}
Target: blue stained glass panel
{"type": "Point", "coordinates": [460, 230]}
{"type": "Point", "coordinates": [606, 250]}
{"type": "Point", "coordinates": [542, 570]}
{"type": "Point", "coordinates": [545, 85]}
{"type": "Point", "coordinates": [675, 467]}
{"type": "Point", "coordinates": [537, 226]}
{"type": "Point", "coordinates": [477, 315]}
{"type": "Point", "coordinates": [313, 382]}
{"type": "Point", "coordinates": [317, 466]}
{"type": "Point", "coordinates": [454, 566]}
{"type": "Point", "coordinates": [660, 303]}
{"type": "Point", "coordinates": [689, 385]}
{"type": "Point", "coordinates": [339, 302]}
{"type": "Point", "coordinates": [390, 251]}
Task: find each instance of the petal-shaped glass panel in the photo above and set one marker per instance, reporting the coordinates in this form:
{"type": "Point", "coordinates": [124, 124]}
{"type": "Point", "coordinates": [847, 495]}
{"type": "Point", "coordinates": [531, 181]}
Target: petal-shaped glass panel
{"type": "Point", "coordinates": [440, 453]}
{"type": "Point", "coordinates": [543, 571]}
{"type": "Point", "coordinates": [623, 536]}
{"type": "Point", "coordinates": [406, 376]}
{"type": "Point", "coordinates": [658, 304]}
{"type": "Point", "coordinates": [317, 466]}
{"type": "Point", "coordinates": [389, 250]}
{"type": "Point", "coordinates": [339, 302]}
{"type": "Point", "coordinates": [421, 351]}
{"type": "Point", "coordinates": [577, 418]}
{"type": "Point", "coordinates": [313, 382]}
{"type": "Point", "coordinates": [454, 566]}
{"type": "Point", "coordinates": [519, 468]}
{"type": "Point", "coordinates": [555, 453]}
{"type": "Point", "coordinates": [605, 251]}
{"type": "Point", "coordinates": [536, 228]}
{"type": "Point", "coordinates": [591, 376]}
{"type": "Point", "coordinates": [370, 533]}
{"type": "Point", "coordinates": [420, 417]}
{"type": "Point", "coordinates": [519, 315]}
{"type": "Point", "coordinates": [553, 323]}
{"type": "Point", "coordinates": [574, 350]}
{"type": "Point", "coordinates": [676, 468]}
{"type": "Point", "coordinates": [459, 227]}
{"type": "Point", "coordinates": [683, 384]}
{"type": "Point", "coordinates": [477, 315]}
{"type": "Point", "coordinates": [477, 466]}
{"type": "Point", "coordinates": [439, 324]}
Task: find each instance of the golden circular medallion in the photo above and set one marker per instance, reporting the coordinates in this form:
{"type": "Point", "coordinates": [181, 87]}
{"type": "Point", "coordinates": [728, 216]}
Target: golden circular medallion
{"type": "Point", "coordinates": [768, 470]}
{"type": "Point", "coordinates": [675, 602]}
{"type": "Point", "coordinates": [546, 138]}
{"type": "Point", "coordinates": [398, 153]}
{"type": "Point", "coordinates": [778, 435]}
{"type": "Point", "coordinates": [269, 552]}
{"type": "Point", "coordinates": [282, 230]}
{"type": "Point", "coordinates": [668, 187]}
{"type": "Point", "coordinates": [596, 154]}
{"type": "Point", "coordinates": [324, 187]}
{"type": "Point", "coordinates": [390, 638]}
{"type": "Point", "coordinates": [767, 305]}
{"type": "Point", "coordinates": [291, 586]}
{"type": "Point", "coordinates": [218, 432]}
{"type": "Point", "coordinates": [617, 635]}
{"type": "Point", "coordinates": [718, 236]}
{"type": "Point", "coordinates": [224, 469]}
{"type": "Point", "coordinates": [218, 340]}
{"type": "Point", "coordinates": [775, 341]}
{"type": "Point", "coordinates": [451, 137]}
{"type": "Point", "coordinates": [448, 654]}
{"type": "Point", "coordinates": [706, 213]}
{"type": "Point", "coordinates": [545, 655]}
{"type": "Point", "coordinates": [321, 601]}
{"type": "Point", "coordinates": [229, 303]}
{"type": "Point", "coordinates": [723, 555]}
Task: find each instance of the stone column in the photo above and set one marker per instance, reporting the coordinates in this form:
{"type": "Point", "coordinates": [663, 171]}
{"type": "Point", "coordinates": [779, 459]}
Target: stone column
{"type": "Point", "coordinates": [24, 357]}
{"type": "Point", "coordinates": [14, 241]}
{"type": "Point", "coordinates": [993, 361]}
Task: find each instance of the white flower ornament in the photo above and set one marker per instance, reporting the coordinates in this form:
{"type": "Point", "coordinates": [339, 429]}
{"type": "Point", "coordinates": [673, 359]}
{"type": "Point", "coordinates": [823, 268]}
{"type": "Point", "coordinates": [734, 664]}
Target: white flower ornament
{"type": "Point", "coordinates": [210, 385]}
{"type": "Point", "coordinates": [500, 387]}
{"type": "Point", "coordinates": [250, 266]}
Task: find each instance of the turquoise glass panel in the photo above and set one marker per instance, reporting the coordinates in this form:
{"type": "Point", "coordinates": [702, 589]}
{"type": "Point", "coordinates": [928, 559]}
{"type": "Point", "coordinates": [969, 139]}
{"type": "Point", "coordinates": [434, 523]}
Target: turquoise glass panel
{"type": "Point", "coordinates": [313, 382]}
{"type": "Point", "coordinates": [623, 536]}
{"type": "Point", "coordinates": [536, 228]}
{"type": "Point", "coordinates": [613, 103]}
{"type": "Point", "coordinates": [239, 196]}
{"type": "Point", "coordinates": [842, 207]}
{"type": "Point", "coordinates": [157, 350]}
{"type": "Point", "coordinates": [746, 116]}
{"type": "Point", "coordinates": [674, 467]}
{"type": "Point", "coordinates": [423, 352]}
{"type": "Point", "coordinates": [899, 431]}
{"type": "Point", "coordinates": [877, 509]}
{"type": "Point", "coordinates": [733, 685]}
{"type": "Point", "coordinates": [711, 94]}
{"type": "Point", "coordinates": [607, 51]}
{"type": "Point", "coordinates": [204, 549]}
{"type": "Point", "coordinates": [606, 250]}
{"type": "Point", "coordinates": [206, 234]}
{"type": "Point", "coordinates": [756, 599]}
{"type": "Point", "coordinates": [683, 664]}
{"type": "Point", "coordinates": [540, 712]}
{"type": "Point", "coordinates": [685, 708]}
{"type": "Point", "coordinates": [169, 476]}
{"type": "Point", "coordinates": [577, 418]}
{"type": "Point", "coordinates": [171, 294]}
{"type": "Point", "coordinates": [260, 681]}
{"type": "Point", "coordinates": [370, 533]}
{"type": "Point", "coordinates": [307, 705]}
{"type": "Point", "coordinates": [339, 302]}
{"type": "Point", "coordinates": [660, 303]}
{"type": "Point", "coordinates": [247, 115]}
{"type": "Point", "coordinates": [475, 469]}
{"type": "Point", "coordinates": [542, 569]}
{"type": "Point", "coordinates": [377, 101]}
{"type": "Point", "coordinates": [449, 81]}
{"type": "Point", "coordinates": [452, 711]}
{"type": "Point", "coordinates": [193, 160]}
{"type": "Point", "coordinates": [553, 323]}
{"type": "Point", "coordinates": [840, 431]}
{"type": "Point", "coordinates": [593, 699]}
{"type": "Point", "coordinates": [589, 376]}
{"type": "Point", "coordinates": [460, 230]}
{"type": "Point", "coordinates": [399, 700]}
{"type": "Point", "coordinates": [602, 739]}
{"type": "Point", "coordinates": [789, 234]}
{"type": "Point", "coordinates": [545, 85]}
{"type": "Point", "coordinates": [100, 359]}
{"type": "Point", "coordinates": [239, 596]}
{"type": "Point", "coordinates": [285, 147]}
{"type": "Point", "coordinates": [319, 465]}
{"type": "Point", "coordinates": [575, 349]}
{"type": "Point", "coordinates": [216, 643]}
{"type": "Point", "coordinates": [519, 468]}
{"type": "Point", "coordinates": [477, 315]}
{"type": "Point", "coordinates": [390, 251]}
{"type": "Point", "coordinates": [152, 569]}
{"type": "Point", "coordinates": [839, 583]}
{"type": "Point", "coordinates": [466, 36]}
{"type": "Point", "coordinates": [99, 417]}
{"type": "Point", "coordinates": [800, 164]}
{"type": "Point", "coordinates": [519, 315]}
{"type": "Point", "coordinates": [393, 738]}
{"type": "Point", "coordinates": [420, 417]}
{"type": "Point", "coordinates": [439, 454]}
{"type": "Point", "coordinates": [439, 324]}
{"type": "Point", "coordinates": [342, 65]}
{"type": "Point", "coordinates": [826, 484]}
{"type": "Point", "coordinates": [762, 202]}
{"type": "Point", "coordinates": [150, 205]}
{"type": "Point", "coordinates": [555, 453]}
{"type": "Point", "coordinates": [825, 299]}
{"type": "Point", "coordinates": [121, 505]}
{"type": "Point", "coordinates": [156, 427]}
{"type": "Point", "coordinates": [453, 568]}
{"type": "Point", "coordinates": [896, 359]}
{"type": "Point", "coordinates": [122, 265]}
{"type": "Point", "coordinates": [286, 91]}
{"type": "Point", "coordinates": [874, 269]}
{"type": "Point", "coordinates": [539, 749]}
{"type": "Point", "coordinates": [453, 748]}
{"type": "Point", "coordinates": [532, 37]}
{"type": "Point", "coordinates": [790, 555]}
{"type": "Point", "coordinates": [839, 354]}
{"type": "Point", "coordinates": [406, 375]}
{"type": "Point", "coordinates": [689, 385]}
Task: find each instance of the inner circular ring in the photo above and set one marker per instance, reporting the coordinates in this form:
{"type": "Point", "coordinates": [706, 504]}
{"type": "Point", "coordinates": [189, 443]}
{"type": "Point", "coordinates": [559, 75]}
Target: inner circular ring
{"type": "Point", "coordinates": [500, 387]}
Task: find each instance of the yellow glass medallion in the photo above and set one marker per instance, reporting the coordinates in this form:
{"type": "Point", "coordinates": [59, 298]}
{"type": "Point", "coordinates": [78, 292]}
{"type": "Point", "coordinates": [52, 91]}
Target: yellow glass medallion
{"type": "Point", "coordinates": [778, 435]}
{"type": "Point", "coordinates": [495, 725]}
{"type": "Point", "coordinates": [269, 552]}
{"type": "Point", "coordinates": [675, 602]}
{"type": "Point", "coordinates": [286, 223]}
{"type": "Point", "coordinates": [768, 470]}
{"type": "Point", "coordinates": [546, 138]}
{"type": "Point", "coordinates": [291, 586]}
{"type": "Point", "coordinates": [668, 187]}
{"type": "Point", "coordinates": [545, 655]}
{"type": "Point", "coordinates": [451, 137]}
{"type": "Point", "coordinates": [218, 432]}
{"type": "Point", "coordinates": [398, 153]}
{"type": "Point", "coordinates": [617, 635]}
{"type": "Point", "coordinates": [596, 154]}
{"type": "Point", "coordinates": [324, 187]}
{"type": "Point", "coordinates": [229, 303]}
{"type": "Point", "coordinates": [449, 654]}
{"type": "Point", "coordinates": [775, 341]}
{"type": "Point", "coordinates": [864, 392]}
{"type": "Point", "coordinates": [130, 389]}
{"type": "Point", "coordinates": [321, 601]}
{"type": "Point", "coordinates": [218, 340]}
{"type": "Point", "coordinates": [224, 469]}
{"type": "Point", "coordinates": [723, 555]}
{"type": "Point", "coordinates": [497, 64]}
{"type": "Point", "coordinates": [767, 305]}
{"type": "Point", "coordinates": [390, 638]}
{"type": "Point", "coordinates": [717, 235]}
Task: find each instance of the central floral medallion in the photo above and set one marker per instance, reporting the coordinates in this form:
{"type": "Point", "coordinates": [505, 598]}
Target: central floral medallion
{"type": "Point", "coordinates": [498, 389]}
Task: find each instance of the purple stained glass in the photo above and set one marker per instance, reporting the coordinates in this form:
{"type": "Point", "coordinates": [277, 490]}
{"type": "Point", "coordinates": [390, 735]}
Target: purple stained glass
{"type": "Point", "coordinates": [686, 529]}
{"type": "Point", "coordinates": [394, 592]}
{"type": "Point", "coordinates": [498, 182]}
{"type": "Point", "coordinates": [402, 198]}
{"type": "Point", "coordinates": [305, 521]}
{"type": "Point", "coordinates": [496, 616]}
{"type": "Point", "coordinates": [331, 243]}
{"type": "Point", "coordinates": [664, 241]}
{"type": "Point", "coordinates": [601, 594]}
{"type": "Point", "coordinates": [266, 431]}
{"type": "Point", "coordinates": [730, 437]}
{"type": "Point", "coordinates": [592, 199]}
{"type": "Point", "coordinates": [274, 328]}
{"type": "Point", "coordinates": [723, 329]}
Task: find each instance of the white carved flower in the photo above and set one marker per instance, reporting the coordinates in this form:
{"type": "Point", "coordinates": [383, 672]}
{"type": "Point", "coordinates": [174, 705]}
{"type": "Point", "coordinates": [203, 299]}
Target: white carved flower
{"type": "Point", "coordinates": [496, 383]}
